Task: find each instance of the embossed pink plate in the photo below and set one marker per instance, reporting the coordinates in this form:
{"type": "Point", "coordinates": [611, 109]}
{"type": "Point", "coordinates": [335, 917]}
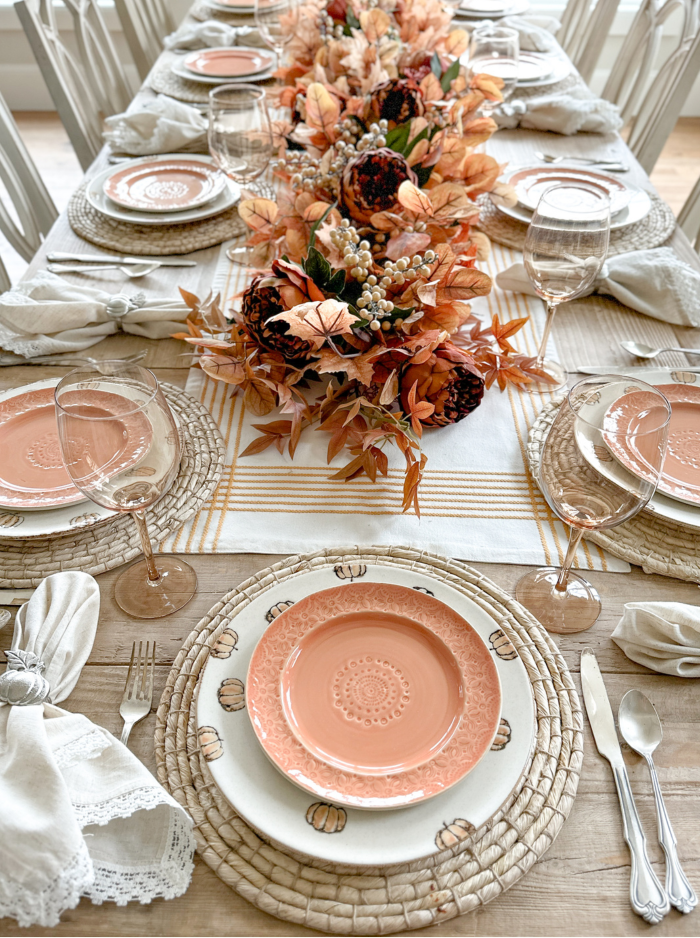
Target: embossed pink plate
{"type": "Point", "coordinates": [680, 478]}
{"type": "Point", "coordinates": [228, 62]}
{"type": "Point", "coordinates": [373, 695]}
{"type": "Point", "coordinates": [157, 184]}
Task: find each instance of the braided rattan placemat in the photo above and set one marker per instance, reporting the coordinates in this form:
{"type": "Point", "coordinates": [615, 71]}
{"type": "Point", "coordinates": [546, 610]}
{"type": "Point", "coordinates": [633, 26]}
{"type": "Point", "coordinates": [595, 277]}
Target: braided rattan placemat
{"type": "Point", "coordinates": [652, 231]}
{"type": "Point", "coordinates": [202, 11]}
{"type": "Point", "coordinates": [151, 240]}
{"type": "Point", "coordinates": [655, 544]}
{"type": "Point", "coordinates": [379, 900]}
{"type": "Point", "coordinates": [25, 563]}
{"type": "Point", "coordinates": [163, 80]}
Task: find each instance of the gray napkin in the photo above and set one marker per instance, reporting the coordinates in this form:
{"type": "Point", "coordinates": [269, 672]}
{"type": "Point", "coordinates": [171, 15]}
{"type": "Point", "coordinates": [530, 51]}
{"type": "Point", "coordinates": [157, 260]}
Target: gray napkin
{"type": "Point", "coordinates": [536, 32]}
{"type": "Point", "coordinates": [211, 34]}
{"type": "Point", "coordinates": [161, 125]}
{"type": "Point", "coordinates": [655, 282]}
{"type": "Point", "coordinates": [662, 636]}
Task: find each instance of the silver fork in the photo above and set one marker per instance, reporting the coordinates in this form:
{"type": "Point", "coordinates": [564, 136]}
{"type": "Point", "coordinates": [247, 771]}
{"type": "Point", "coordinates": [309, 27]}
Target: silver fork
{"type": "Point", "coordinates": [138, 694]}
{"type": "Point", "coordinates": [75, 360]}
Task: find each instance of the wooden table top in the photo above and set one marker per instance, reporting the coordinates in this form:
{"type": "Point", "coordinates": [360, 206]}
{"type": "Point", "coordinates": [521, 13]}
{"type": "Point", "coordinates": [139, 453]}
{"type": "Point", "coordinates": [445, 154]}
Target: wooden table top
{"type": "Point", "coordinates": [581, 885]}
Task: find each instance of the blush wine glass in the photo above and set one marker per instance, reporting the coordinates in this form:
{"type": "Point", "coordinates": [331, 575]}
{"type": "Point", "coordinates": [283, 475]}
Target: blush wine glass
{"type": "Point", "coordinates": [565, 248]}
{"type": "Point", "coordinates": [121, 447]}
{"type": "Point", "coordinates": [495, 50]}
{"type": "Point", "coordinates": [600, 465]}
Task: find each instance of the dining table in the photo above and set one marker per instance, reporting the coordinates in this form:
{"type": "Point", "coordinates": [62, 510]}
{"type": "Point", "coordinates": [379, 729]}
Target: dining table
{"type": "Point", "coordinates": [581, 884]}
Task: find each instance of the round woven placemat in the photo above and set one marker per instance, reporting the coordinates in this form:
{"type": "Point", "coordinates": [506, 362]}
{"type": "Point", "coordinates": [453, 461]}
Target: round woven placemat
{"type": "Point", "coordinates": [163, 80]}
{"type": "Point", "coordinates": [151, 240]}
{"type": "Point", "coordinates": [202, 11]}
{"type": "Point", "coordinates": [650, 232]}
{"type": "Point", "coordinates": [653, 543]}
{"type": "Point", "coordinates": [379, 900]}
{"type": "Point", "coordinates": [25, 563]}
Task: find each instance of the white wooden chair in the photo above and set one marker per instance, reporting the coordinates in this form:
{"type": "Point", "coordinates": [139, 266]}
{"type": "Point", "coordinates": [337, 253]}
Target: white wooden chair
{"type": "Point", "coordinates": [689, 217]}
{"type": "Point", "coordinates": [651, 97]}
{"type": "Point", "coordinates": [86, 87]}
{"type": "Point", "coordinates": [585, 25]}
{"type": "Point", "coordinates": [145, 24]}
{"type": "Point", "coordinates": [34, 212]}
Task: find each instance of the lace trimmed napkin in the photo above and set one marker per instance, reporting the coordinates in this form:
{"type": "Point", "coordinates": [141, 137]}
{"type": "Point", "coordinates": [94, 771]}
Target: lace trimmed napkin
{"type": "Point", "coordinates": [211, 34]}
{"type": "Point", "coordinates": [48, 315]}
{"type": "Point", "coordinates": [655, 282]}
{"type": "Point", "coordinates": [662, 636]}
{"type": "Point", "coordinates": [162, 125]}
{"type": "Point", "coordinates": [574, 111]}
{"type": "Point", "coordinates": [79, 814]}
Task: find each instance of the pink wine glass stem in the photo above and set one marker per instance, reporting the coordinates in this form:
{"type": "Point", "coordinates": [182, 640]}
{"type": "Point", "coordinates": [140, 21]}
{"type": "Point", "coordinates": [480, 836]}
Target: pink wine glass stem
{"type": "Point", "coordinates": [575, 535]}
{"type": "Point", "coordinates": [142, 528]}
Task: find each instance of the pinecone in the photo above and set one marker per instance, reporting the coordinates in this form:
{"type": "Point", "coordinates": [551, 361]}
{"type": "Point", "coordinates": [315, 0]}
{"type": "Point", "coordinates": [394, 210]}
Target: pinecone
{"type": "Point", "coordinates": [371, 181]}
{"type": "Point", "coordinates": [396, 100]}
{"type": "Point", "coordinates": [259, 303]}
{"type": "Point", "coordinates": [449, 380]}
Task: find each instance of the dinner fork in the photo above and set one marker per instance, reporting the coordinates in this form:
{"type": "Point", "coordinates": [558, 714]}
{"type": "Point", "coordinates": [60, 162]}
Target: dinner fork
{"type": "Point", "coordinates": [614, 166]}
{"type": "Point", "coordinates": [138, 693]}
{"type": "Point", "coordinates": [74, 360]}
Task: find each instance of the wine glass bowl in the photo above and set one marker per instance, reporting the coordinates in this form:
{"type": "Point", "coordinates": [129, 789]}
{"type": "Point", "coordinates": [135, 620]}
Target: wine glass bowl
{"type": "Point", "coordinates": [277, 22]}
{"type": "Point", "coordinates": [495, 50]}
{"type": "Point", "coordinates": [121, 447]}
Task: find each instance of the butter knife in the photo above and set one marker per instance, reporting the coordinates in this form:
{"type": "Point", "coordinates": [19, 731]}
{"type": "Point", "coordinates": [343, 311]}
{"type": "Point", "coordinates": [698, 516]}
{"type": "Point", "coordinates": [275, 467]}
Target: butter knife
{"type": "Point", "coordinates": [118, 259]}
{"type": "Point", "coordinates": [647, 896]}
{"type": "Point", "coordinates": [631, 372]}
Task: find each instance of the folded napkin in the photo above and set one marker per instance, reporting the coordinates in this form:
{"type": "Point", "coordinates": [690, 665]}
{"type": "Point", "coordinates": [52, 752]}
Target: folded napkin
{"type": "Point", "coordinates": [574, 111]}
{"type": "Point", "coordinates": [536, 32]}
{"type": "Point", "coordinates": [47, 315]}
{"type": "Point", "coordinates": [655, 282]}
{"type": "Point", "coordinates": [211, 34]}
{"type": "Point", "coordinates": [79, 814]}
{"type": "Point", "coordinates": [662, 636]}
{"type": "Point", "coordinates": [162, 125]}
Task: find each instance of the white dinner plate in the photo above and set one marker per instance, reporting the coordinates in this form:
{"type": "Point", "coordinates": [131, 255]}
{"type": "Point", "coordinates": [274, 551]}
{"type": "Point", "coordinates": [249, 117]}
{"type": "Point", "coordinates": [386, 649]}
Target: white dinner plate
{"type": "Point", "coordinates": [558, 68]}
{"type": "Point", "coordinates": [287, 815]}
{"type": "Point", "coordinates": [96, 197]}
{"type": "Point", "coordinates": [516, 8]}
{"type": "Point", "coordinates": [530, 183]}
{"type": "Point", "coordinates": [178, 68]}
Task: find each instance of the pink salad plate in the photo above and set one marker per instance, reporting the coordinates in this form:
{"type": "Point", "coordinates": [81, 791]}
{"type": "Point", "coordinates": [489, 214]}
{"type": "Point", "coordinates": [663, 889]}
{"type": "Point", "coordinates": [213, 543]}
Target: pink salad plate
{"type": "Point", "coordinates": [32, 474]}
{"type": "Point", "coordinates": [157, 184]}
{"type": "Point", "coordinates": [680, 478]}
{"type": "Point", "coordinates": [373, 695]}
{"type": "Point", "coordinates": [530, 183]}
{"type": "Point", "coordinates": [235, 62]}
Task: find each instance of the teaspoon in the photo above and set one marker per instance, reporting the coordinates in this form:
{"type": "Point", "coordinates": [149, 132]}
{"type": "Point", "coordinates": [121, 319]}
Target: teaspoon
{"type": "Point", "coordinates": [641, 729]}
{"type": "Point", "coordinates": [646, 351]}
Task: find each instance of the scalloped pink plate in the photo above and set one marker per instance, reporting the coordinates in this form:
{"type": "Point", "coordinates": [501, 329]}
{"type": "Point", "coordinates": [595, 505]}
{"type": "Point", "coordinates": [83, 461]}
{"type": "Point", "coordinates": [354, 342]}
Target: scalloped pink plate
{"type": "Point", "coordinates": [680, 478]}
{"type": "Point", "coordinates": [373, 695]}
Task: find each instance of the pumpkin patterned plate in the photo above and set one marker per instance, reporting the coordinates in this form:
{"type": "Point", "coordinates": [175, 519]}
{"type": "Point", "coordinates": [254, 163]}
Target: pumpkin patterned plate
{"type": "Point", "coordinates": [321, 826]}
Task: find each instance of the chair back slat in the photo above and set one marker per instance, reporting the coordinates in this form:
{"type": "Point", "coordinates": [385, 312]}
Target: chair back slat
{"type": "Point", "coordinates": [585, 26]}
{"type": "Point", "coordinates": [689, 217]}
{"type": "Point", "coordinates": [145, 24]}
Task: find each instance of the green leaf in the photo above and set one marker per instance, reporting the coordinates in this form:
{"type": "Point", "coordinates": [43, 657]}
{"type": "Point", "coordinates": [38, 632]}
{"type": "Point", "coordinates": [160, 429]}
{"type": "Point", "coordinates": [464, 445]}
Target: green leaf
{"type": "Point", "coordinates": [336, 283]}
{"type": "Point", "coordinates": [397, 138]}
{"type": "Point", "coordinates": [449, 76]}
{"type": "Point", "coordinates": [436, 65]}
{"type": "Point", "coordinates": [317, 267]}
{"type": "Point", "coordinates": [423, 173]}
{"type": "Point", "coordinates": [317, 224]}
{"type": "Point", "coordinates": [351, 19]}
{"type": "Point", "coordinates": [421, 136]}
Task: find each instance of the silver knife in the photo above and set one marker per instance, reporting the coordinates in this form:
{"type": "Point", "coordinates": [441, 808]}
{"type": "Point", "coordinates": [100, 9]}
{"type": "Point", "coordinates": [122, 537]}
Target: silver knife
{"type": "Point", "coordinates": [647, 896]}
{"type": "Point", "coordinates": [118, 259]}
{"type": "Point", "coordinates": [631, 372]}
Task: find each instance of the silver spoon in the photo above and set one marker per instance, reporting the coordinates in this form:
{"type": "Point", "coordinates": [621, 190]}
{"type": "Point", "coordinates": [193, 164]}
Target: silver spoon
{"type": "Point", "coordinates": [133, 271]}
{"type": "Point", "coordinates": [641, 729]}
{"type": "Point", "coordinates": [646, 351]}
{"type": "Point", "coordinates": [613, 166]}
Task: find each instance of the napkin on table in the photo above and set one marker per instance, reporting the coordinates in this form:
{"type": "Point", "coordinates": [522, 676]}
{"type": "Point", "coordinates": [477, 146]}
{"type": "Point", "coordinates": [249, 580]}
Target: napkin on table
{"type": "Point", "coordinates": [79, 814]}
{"type": "Point", "coordinates": [47, 315]}
{"type": "Point", "coordinates": [654, 282]}
{"type": "Point", "coordinates": [211, 34]}
{"type": "Point", "coordinates": [662, 636]}
{"type": "Point", "coordinates": [574, 111]}
{"type": "Point", "coordinates": [162, 125]}
{"type": "Point", "coordinates": [536, 32]}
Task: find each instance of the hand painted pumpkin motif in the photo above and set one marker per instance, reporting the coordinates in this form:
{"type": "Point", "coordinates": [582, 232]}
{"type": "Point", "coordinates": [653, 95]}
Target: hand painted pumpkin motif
{"type": "Point", "coordinates": [231, 694]}
{"type": "Point", "coordinates": [502, 736]}
{"type": "Point", "coordinates": [684, 377]}
{"type": "Point", "coordinates": [350, 571]}
{"type": "Point", "coordinates": [278, 609]}
{"type": "Point", "coordinates": [422, 589]}
{"type": "Point", "coordinates": [225, 644]}
{"type": "Point", "coordinates": [454, 833]}
{"type": "Point", "coordinates": [23, 684]}
{"type": "Point", "coordinates": [326, 818]}
{"type": "Point", "coordinates": [210, 743]}
{"type": "Point", "coordinates": [502, 645]}
{"type": "Point", "coordinates": [84, 521]}
{"type": "Point", "coordinates": [8, 520]}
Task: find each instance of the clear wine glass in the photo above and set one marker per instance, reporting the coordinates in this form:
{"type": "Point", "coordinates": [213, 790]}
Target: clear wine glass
{"type": "Point", "coordinates": [121, 447]}
{"type": "Point", "coordinates": [600, 465]}
{"type": "Point", "coordinates": [240, 138]}
{"type": "Point", "coordinates": [277, 21]}
{"type": "Point", "coordinates": [565, 248]}
{"type": "Point", "coordinates": [495, 50]}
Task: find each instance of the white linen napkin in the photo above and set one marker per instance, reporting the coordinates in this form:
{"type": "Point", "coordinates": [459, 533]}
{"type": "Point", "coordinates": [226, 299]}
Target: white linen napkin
{"type": "Point", "coordinates": [162, 125]}
{"type": "Point", "coordinates": [662, 636]}
{"type": "Point", "coordinates": [211, 34]}
{"type": "Point", "coordinates": [655, 282]}
{"type": "Point", "coordinates": [574, 111]}
{"type": "Point", "coordinates": [47, 315]}
{"type": "Point", "coordinates": [536, 32]}
{"type": "Point", "coordinates": [79, 814]}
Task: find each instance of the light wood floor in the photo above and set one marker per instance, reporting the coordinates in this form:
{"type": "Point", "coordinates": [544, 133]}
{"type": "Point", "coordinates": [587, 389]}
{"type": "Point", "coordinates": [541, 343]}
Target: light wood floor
{"type": "Point", "coordinates": [674, 175]}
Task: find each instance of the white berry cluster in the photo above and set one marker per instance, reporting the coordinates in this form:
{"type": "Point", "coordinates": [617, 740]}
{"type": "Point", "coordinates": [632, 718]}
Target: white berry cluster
{"type": "Point", "coordinates": [304, 171]}
{"type": "Point", "coordinates": [328, 28]}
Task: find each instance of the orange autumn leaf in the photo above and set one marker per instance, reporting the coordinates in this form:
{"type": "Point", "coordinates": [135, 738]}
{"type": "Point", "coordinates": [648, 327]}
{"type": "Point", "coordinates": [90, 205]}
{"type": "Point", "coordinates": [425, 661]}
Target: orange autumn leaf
{"type": "Point", "coordinates": [315, 211]}
{"type": "Point", "coordinates": [223, 368]}
{"type": "Point", "coordinates": [259, 214]}
{"type": "Point", "coordinates": [322, 109]}
{"type": "Point", "coordinates": [317, 322]}
{"type": "Point", "coordinates": [456, 42]}
{"type": "Point", "coordinates": [480, 173]}
{"type": "Point", "coordinates": [488, 85]}
{"type": "Point", "coordinates": [450, 201]}
{"type": "Point", "coordinates": [414, 199]}
{"type": "Point", "coordinates": [359, 367]}
{"type": "Point", "coordinates": [374, 24]}
{"type": "Point", "coordinates": [464, 283]}
{"type": "Point", "coordinates": [431, 88]}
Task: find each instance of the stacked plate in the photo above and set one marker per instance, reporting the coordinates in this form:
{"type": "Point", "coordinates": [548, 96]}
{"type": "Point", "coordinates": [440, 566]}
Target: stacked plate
{"type": "Point", "coordinates": [368, 700]}
{"type": "Point", "coordinates": [628, 203]}
{"type": "Point", "coordinates": [490, 9]}
{"type": "Point", "coordinates": [162, 190]}
{"type": "Point", "coordinates": [225, 65]}
{"type": "Point", "coordinates": [239, 7]}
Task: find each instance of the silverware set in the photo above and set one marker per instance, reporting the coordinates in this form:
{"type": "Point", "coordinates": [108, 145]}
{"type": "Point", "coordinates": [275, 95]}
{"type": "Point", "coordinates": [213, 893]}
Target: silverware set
{"type": "Point", "coordinates": [610, 166]}
{"type": "Point", "coordinates": [641, 728]}
{"type": "Point", "coordinates": [138, 692]}
{"type": "Point", "coordinates": [132, 267]}
{"type": "Point", "coordinates": [640, 350]}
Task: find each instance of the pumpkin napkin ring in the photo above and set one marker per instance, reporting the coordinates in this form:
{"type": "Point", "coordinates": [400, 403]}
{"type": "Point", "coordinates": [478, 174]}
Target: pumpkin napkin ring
{"type": "Point", "coordinates": [23, 683]}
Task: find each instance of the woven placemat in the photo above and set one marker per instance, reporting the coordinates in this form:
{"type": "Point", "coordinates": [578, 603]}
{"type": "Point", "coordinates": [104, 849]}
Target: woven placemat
{"type": "Point", "coordinates": [379, 900]}
{"type": "Point", "coordinates": [202, 11]}
{"type": "Point", "coordinates": [25, 563]}
{"type": "Point", "coordinates": [652, 231]}
{"type": "Point", "coordinates": [151, 240]}
{"type": "Point", "coordinates": [163, 80]}
{"type": "Point", "coordinates": [655, 544]}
